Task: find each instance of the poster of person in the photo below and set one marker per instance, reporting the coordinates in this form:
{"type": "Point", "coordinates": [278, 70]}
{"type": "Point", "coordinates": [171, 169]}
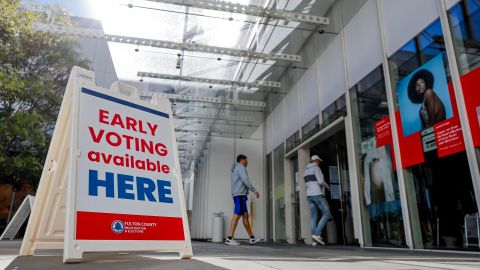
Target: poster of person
{"type": "Point", "coordinates": [423, 97]}
{"type": "Point", "coordinates": [378, 171]}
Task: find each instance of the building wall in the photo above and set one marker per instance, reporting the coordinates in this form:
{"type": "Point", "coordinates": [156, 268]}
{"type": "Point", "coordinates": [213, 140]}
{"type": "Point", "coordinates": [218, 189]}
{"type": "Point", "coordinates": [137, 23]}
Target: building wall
{"type": "Point", "coordinates": [212, 185]}
{"type": "Point", "coordinates": [97, 52]}
{"type": "Point", "coordinates": [324, 80]}
{"type": "Point", "coordinates": [342, 60]}
{"type": "Point", "coordinates": [334, 63]}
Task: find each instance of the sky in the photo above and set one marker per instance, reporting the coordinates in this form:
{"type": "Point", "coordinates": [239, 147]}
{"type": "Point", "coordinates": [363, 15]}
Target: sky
{"type": "Point", "coordinates": [79, 8]}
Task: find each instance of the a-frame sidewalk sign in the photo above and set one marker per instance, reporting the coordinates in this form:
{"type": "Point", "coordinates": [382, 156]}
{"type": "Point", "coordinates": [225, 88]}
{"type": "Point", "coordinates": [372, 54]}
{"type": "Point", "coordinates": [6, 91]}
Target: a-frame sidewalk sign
{"type": "Point", "coordinates": [111, 180]}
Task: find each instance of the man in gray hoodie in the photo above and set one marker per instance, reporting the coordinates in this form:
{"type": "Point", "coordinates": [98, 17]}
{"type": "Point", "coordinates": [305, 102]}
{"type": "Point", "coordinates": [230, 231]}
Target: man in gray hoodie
{"type": "Point", "coordinates": [241, 185]}
{"type": "Point", "coordinates": [315, 185]}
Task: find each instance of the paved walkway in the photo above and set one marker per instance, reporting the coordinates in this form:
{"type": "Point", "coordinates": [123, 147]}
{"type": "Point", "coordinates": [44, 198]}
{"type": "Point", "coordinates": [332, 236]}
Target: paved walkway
{"type": "Point", "coordinates": [260, 257]}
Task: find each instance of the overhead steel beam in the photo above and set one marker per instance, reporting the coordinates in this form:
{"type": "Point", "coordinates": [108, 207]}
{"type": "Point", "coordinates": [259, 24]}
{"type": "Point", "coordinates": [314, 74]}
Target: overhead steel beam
{"type": "Point", "coordinates": [189, 141]}
{"type": "Point", "coordinates": [190, 148]}
{"type": "Point", "coordinates": [214, 116]}
{"type": "Point", "coordinates": [214, 100]}
{"type": "Point", "coordinates": [207, 80]}
{"type": "Point", "coordinates": [203, 131]}
{"type": "Point", "coordinates": [193, 47]}
{"type": "Point", "coordinates": [250, 10]}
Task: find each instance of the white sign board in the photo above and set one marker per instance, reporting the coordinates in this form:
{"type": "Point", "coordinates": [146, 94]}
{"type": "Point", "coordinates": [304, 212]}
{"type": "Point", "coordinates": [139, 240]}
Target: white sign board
{"type": "Point", "coordinates": [18, 219]}
{"type": "Point", "coordinates": [124, 189]}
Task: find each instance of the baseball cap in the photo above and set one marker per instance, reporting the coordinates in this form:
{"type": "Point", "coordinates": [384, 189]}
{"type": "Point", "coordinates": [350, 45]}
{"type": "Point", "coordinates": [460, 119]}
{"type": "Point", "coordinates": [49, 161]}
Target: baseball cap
{"type": "Point", "coordinates": [315, 157]}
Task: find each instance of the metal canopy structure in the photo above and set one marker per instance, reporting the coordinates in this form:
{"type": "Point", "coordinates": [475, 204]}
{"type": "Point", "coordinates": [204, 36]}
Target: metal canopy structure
{"type": "Point", "coordinates": [165, 44]}
{"type": "Point", "coordinates": [143, 74]}
{"type": "Point", "coordinates": [249, 10]}
{"type": "Point", "coordinates": [233, 57]}
{"type": "Point", "coordinates": [217, 100]}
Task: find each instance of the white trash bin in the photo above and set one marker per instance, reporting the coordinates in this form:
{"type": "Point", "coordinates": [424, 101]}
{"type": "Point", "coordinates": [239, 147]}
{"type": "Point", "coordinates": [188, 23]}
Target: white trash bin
{"type": "Point", "coordinates": [217, 230]}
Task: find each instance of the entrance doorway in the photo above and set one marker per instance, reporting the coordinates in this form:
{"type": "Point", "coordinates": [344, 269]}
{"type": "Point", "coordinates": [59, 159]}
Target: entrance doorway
{"type": "Point", "coordinates": [333, 151]}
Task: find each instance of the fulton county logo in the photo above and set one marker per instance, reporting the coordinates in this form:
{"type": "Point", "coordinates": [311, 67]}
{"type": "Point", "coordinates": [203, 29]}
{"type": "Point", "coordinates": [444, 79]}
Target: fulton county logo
{"type": "Point", "coordinates": [118, 227]}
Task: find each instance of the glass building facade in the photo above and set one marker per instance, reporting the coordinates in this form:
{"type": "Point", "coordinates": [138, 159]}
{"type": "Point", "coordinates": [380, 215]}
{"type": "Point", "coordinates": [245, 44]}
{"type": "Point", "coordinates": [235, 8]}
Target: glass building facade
{"type": "Point", "coordinates": [410, 111]}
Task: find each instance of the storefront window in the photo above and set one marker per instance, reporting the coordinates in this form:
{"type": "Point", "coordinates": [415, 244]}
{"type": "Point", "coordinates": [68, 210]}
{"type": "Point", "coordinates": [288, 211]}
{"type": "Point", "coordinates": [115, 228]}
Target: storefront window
{"type": "Point", "coordinates": [334, 111]}
{"type": "Point", "coordinates": [279, 193]}
{"type": "Point", "coordinates": [310, 128]}
{"type": "Point", "coordinates": [438, 184]}
{"type": "Point", "coordinates": [465, 26]}
{"type": "Point", "coordinates": [293, 141]}
{"type": "Point", "coordinates": [379, 192]}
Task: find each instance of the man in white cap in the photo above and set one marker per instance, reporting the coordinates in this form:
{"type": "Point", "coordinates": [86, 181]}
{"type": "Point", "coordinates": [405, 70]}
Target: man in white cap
{"type": "Point", "coordinates": [315, 184]}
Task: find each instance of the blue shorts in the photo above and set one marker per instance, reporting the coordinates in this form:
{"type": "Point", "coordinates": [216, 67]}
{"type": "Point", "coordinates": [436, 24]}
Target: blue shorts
{"type": "Point", "coordinates": [240, 203]}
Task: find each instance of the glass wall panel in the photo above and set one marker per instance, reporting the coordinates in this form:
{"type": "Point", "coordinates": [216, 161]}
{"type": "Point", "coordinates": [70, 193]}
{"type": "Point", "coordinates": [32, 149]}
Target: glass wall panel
{"type": "Point", "coordinates": [438, 184]}
{"type": "Point", "coordinates": [334, 111]}
{"type": "Point", "coordinates": [465, 26]}
{"type": "Point", "coordinates": [293, 141]}
{"type": "Point", "coordinates": [310, 128]}
{"type": "Point", "coordinates": [279, 193]}
{"type": "Point", "coordinates": [379, 191]}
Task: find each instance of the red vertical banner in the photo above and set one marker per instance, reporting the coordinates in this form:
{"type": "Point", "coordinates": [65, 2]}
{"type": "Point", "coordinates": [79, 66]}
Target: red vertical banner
{"type": "Point", "coordinates": [449, 137]}
{"type": "Point", "coordinates": [471, 93]}
{"type": "Point", "coordinates": [383, 135]}
{"type": "Point", "coordinates": [411, 149]}
{"type": "Point", "coordinates": [448, 133]}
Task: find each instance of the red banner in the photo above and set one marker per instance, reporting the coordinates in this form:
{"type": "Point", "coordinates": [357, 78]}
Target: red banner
{"type": "Point", "coordinates": [449, 137]}
{"type": "Point", "coordinates": [383, 135]}
{"type": "Point", "coordinates": [471, 93]}
{"type": "Point", "coordinates": [383, 131]}
{"type": "Point", "coordinates": [411, 149]}
{"type": "Point", "coordinates": [107, 226]}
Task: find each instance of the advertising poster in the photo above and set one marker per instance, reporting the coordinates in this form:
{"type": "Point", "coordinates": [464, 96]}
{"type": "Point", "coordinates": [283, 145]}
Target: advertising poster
{"type": "Point", "coordinates": [379, 176]}
{"type": "Point", "coordinates": [383, 134]}
{"type": "Point", "coordinates": [428, 113]}
{"type": "Point", "coordinates": [424, 97]}
{"type": "Point", "coordinates": [126, 185]}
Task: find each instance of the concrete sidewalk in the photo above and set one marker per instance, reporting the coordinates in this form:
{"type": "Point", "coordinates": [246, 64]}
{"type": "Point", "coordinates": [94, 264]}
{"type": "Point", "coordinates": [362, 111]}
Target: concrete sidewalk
{"type": "Point", "coordinates": [244, 257]}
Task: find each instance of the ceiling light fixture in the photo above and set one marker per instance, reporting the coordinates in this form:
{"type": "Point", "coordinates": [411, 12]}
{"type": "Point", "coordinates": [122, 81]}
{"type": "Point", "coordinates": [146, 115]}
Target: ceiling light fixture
{"type": "Point", "coordinates": [179, 61]}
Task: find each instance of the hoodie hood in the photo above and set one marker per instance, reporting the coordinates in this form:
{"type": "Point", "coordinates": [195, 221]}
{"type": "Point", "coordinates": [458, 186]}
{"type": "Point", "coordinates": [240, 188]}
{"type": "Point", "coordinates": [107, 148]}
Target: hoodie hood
{"type": "Point", "coordinates": [233, 166]}
{"type": "Point", "coordinates": [311, 165]}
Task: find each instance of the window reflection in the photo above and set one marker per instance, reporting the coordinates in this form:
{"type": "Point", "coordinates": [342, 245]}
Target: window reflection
{"type": "Point", "coordinates": [379, 191]}
{"type": "Point", "coordinates": [438, 207]}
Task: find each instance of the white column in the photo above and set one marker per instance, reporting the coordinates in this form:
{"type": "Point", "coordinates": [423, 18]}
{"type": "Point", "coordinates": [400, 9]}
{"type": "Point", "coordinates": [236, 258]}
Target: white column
{"type": "Point", "coordinates": [289, 190]}
{"type": "Point", "coordinates": [351, 155]}
{"type": "Point", "coordinates": [396, 144]}
{"type": "Point", "coordinates": [303, 160]}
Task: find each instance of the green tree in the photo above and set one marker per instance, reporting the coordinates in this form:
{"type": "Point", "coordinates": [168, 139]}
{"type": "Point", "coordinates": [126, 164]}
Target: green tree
{"type": "Point", "coordinates": [34, 69]}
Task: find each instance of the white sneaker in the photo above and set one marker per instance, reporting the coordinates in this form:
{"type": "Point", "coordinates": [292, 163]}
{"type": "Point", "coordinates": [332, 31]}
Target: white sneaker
{"type": "Point", "coordinates": [318, 238]}
{"type": "Point", "coordinates": [314, 243]}
{"type": "Point", "coordinates": [231, 242]}
{"type": "Point", "coordinates": [254, 241]}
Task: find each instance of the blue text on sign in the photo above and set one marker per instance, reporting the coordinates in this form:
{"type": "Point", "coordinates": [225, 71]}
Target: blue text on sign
{"type": "Point", "coordinates": [146, 188]}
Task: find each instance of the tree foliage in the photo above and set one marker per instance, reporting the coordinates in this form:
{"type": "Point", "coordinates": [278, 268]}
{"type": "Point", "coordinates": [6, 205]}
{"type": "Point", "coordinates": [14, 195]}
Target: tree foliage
{"type": "Point", "coordinates": [34, 69]}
